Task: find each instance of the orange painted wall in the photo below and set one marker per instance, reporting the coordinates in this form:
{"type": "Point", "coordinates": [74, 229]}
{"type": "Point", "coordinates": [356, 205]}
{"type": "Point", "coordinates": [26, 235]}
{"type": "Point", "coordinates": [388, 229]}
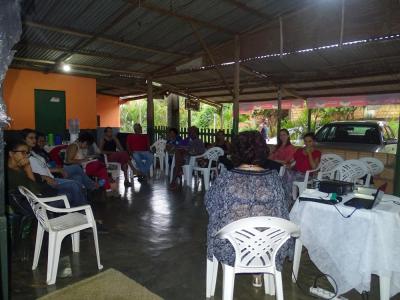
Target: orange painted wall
{"type": "Point", "coordinates": [19, 86]}
{"type": "Point", "coordinates": [108, 110]}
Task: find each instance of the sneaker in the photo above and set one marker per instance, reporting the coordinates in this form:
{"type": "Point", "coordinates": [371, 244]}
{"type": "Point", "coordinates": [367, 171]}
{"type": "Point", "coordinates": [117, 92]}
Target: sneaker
{"type": "Point", "coordinates": [257, 282]}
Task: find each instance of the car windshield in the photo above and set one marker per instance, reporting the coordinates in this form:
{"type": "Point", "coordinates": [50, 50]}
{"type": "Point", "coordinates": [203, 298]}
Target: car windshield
{"type": "Point", "coordinates": [349, 133]}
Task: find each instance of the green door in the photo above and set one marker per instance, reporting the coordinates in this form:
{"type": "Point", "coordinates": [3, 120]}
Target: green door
{"type": "Point", "coordinates": [50, 111]}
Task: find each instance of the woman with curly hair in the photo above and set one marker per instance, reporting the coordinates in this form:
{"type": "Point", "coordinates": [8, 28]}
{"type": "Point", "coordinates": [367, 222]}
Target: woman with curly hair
{"type": "Point", "coordinates": [248, 190]}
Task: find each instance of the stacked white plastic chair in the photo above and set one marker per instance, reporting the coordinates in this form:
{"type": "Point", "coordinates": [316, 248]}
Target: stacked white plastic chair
{"type": "Point", "coordinates": [159, 154]}
{"type": "Point", "coordinates": [328, 163]}
{"type": "Point", "coordinates": [212, 155]}
{"type": "Point", "coordinates": [351, 170]}
{"type": "Point", "coordinates": [71, 223]}
{"type": "Point", "coordinates": [256, 241]}
{"type": "Point", "coordinates": [375, 167]}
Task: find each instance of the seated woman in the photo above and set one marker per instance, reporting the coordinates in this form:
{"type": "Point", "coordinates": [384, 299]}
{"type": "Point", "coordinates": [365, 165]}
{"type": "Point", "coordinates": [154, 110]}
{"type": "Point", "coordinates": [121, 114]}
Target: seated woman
{"type": "Point", "coordinates": [19, 173]}
{"type": "Point", "coordinates": [109, 146]}
{"type": "Point", "coordinates": [305, 159]}
{"type": "Point", "coordinates": [76, 155]}
{"type": "Point", "coordinates": [247, 190]}
{"type": "Point", "coordinates": [71, 188]}
{"type": "Point", "coordinates": [73, 172]}
{"type": "Point", "coordinates": [191, 146]}
{"type": "Point", "coordinates": [284, 150]}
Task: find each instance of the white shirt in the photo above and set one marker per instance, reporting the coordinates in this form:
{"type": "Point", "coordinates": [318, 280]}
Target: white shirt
{"type": "Point", "coordinates": [39, 165]}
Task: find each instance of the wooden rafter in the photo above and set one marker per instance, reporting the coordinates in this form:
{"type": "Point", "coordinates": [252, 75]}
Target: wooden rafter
{"type": "Point", "coordinates": [185, 18]}
{"type": "Point", "coordinates": [249, 9]}
{"type": "Point", "coordinates": [79, 66]}
{"type": "Point", "coordinates": [242, 34]}
{"type": "Point", "coordinates": [210, 56]}
{"type": "Point", "coordinates": [87, 53]}
{"type": "Point", "coordinates": [101, 38]}
{"type": "Point", "coordinates": [107, 25]}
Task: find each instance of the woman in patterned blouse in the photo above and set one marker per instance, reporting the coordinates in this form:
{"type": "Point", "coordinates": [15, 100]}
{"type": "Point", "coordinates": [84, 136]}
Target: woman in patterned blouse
{"type": "Point", "coordinates": [247, 190]}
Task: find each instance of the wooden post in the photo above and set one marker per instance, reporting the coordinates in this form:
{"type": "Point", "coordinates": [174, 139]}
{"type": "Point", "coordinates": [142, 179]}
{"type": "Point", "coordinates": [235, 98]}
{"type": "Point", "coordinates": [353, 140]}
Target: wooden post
{"type": "Point", "coordinates": [189, 119]}
{"type": "Point", "coordinates": [236, 86]}
{"type": "Point", "coordinates": [221, 118]}
{"type": "Point", "coordinates": [396, 182]}
{"type": "Point", "coordinates": [173, 111]}
{"type": "Point", "coordinates": [309, 114]}
{"type": "Point", "coordinates": [279, 110]}
{"type": "Point", "coordinates": [150, 110]}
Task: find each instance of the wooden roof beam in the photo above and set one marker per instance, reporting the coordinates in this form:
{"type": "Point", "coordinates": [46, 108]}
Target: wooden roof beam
{"type": "Point", "coordinates": [87, 53]}
{"type": "Point", "coordinates": [185, 18]}
{"type": "Point", "coordinates": [78, 66]}
{"type": "Point", "coordinates": [249, 9]}
{"type": "Point", "coordinates": [210, 56]}
{"type": "Point", "coordinates": [101, 38]}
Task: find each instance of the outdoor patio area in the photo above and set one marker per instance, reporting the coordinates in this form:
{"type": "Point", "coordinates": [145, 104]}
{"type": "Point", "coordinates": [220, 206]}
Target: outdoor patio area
{"type": "Point", "coordinates": [158, 238]}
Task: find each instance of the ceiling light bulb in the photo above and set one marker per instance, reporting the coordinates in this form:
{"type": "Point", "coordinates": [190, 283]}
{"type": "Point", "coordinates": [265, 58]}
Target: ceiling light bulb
{"type": "Point", "coordinates": [66, 68]}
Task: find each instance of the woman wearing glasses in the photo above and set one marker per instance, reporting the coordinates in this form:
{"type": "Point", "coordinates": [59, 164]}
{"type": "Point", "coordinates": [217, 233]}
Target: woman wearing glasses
{"type": "Point", "coordinates": [38, 164]}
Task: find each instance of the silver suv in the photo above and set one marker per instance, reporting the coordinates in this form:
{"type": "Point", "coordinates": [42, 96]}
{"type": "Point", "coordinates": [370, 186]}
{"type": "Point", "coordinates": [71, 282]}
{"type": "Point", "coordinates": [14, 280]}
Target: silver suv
{"type": "Point", "coordinates": [369, 136]}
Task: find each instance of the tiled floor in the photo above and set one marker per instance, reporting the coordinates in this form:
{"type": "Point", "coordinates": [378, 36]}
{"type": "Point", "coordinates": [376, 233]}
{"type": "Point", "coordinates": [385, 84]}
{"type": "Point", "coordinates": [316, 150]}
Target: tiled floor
{"type": "Point", "coordinates": [158, 238]}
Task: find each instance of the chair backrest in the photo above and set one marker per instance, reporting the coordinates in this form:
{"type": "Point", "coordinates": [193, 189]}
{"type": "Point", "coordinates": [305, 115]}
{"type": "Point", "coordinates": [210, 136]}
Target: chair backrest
{"type": "Point", "coordinates": [329, 162]}
{"type": "Point", "coordinates": [256, 240]}
{"type": "Point", "coordinates": [213, 154]}
{"type": "Point", "coordinates": [350, 170]}
{"type": "Point", "coordinates": [159, 145]}
{"type": "Point", "coordinates": [374, 165]}
{"type": "Point", "coordinates": [37, 206]}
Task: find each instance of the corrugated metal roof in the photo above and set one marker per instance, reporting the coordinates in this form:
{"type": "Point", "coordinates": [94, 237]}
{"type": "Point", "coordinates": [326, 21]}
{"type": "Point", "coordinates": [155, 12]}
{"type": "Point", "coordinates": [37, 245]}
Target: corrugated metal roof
{"type": "Point", "coordinates": [161, 25]}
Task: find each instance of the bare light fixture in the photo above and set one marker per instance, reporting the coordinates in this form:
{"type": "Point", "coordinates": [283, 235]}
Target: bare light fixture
{"type": "Point", "coordinates": [66, 68]}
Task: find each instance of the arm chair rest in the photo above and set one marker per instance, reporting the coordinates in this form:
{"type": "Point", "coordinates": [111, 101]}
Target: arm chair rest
{"type": "Point", "coordinates": [56, 198]}
{"type": "Point", "coordinates": [87, 208]}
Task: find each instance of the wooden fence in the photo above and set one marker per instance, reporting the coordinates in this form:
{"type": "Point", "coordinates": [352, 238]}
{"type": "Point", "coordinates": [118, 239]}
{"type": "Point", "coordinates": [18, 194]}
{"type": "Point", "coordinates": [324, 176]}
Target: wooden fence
{"type": "Point", "coordinates": [205, 134]}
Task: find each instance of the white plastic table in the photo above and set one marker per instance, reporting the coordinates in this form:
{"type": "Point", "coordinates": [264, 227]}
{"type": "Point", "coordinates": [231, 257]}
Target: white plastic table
{"type": "Point", "coordinates": [351, 249]}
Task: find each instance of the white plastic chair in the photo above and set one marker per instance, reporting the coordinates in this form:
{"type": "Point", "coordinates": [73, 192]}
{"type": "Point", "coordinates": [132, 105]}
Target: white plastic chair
{"type": "Point", "coordinates": [159, 146]}
{"type": "Point", "coordinates": [375, 167]}
{"type": "Point", "coordinates": [256, 241]}
{"type": "Point", "coordinates": [350, 170]}
{"type": "Point", "coordinates": [302, 185]}
{"type": "Point", "coordinates": [166, 163]}
{"type": "Point", "coordinates": [212, 155]}
{"type": "Point", "coordinates": [71, 223]}
{"type": "Point", "coordinates": [112, 167]}
{"type": "Point", "coordinates": [171, 176]}
{"type": "Point", "coordinates": [328, 163]}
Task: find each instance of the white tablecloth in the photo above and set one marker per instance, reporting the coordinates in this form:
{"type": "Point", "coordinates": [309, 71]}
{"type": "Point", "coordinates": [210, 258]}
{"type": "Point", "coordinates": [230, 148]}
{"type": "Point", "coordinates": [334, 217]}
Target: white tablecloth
{"type": "Point", "coordinates": [351, 249]}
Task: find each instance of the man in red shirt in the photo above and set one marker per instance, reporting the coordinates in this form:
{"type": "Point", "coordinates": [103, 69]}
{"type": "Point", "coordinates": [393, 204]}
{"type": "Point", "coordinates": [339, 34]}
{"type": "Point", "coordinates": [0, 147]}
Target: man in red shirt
{"type": "Point", "coordinates": [138, 146]}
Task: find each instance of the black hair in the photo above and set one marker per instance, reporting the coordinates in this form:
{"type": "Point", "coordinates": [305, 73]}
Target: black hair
{"type": "Point", "coordinates": [27, 131]}
{"type": "Point", "coordinates": [309, 134]}
{"type": "Point", "coordinates": [279, 144]}
{"type": "Point", "coordinates": [173, 130]}
{"type": "Point", "coordinates": [105, 129]}
{"type": "Point", "coordinates": [39, 134]}
{"type": "Point", "coordinates": [86, 137]}
{"type": "Point", "coordinates": [13, 144]}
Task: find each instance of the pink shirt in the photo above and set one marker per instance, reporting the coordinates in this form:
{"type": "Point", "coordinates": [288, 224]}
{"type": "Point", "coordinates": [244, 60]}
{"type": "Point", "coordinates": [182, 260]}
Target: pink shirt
{"type": "Point", "coordinates": [283, 153]}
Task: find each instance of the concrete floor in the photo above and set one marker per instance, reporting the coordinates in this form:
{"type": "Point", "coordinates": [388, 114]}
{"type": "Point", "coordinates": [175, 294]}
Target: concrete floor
{"type": "Point", "coordinates": [158, 238]}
